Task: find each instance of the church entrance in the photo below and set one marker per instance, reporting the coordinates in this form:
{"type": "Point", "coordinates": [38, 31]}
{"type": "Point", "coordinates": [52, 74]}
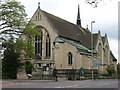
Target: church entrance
{"type": "Point", "coordinates": [43, 72]}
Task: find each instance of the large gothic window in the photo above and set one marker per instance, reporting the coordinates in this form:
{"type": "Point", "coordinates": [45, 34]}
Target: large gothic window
{"type": "Point", "coordinates": [70, 57]}
{"type": "Point", "coordinates": [38, 44]}
{"type": "Point", "coordinates": [43, 44]}
{"type": "Point", "coordinates": [48, 46]}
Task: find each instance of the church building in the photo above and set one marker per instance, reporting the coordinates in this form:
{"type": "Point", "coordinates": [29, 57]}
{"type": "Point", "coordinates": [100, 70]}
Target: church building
{"type": "Point", "coordinates": [64, 45]}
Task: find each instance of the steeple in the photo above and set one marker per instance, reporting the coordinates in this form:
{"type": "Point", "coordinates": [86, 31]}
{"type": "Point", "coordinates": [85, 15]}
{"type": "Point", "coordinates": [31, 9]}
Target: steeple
{"type": "Point", "coordinates": [78, 17]}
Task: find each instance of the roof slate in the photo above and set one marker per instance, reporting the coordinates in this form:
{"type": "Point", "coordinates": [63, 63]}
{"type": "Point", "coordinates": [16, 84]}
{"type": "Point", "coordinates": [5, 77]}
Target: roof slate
{"type": "Point", "coordinates": [65, 28]}
{"type": "Point", "coordinates": [71, 31]}
{"type": "Point", "coordinates": [86, 40]}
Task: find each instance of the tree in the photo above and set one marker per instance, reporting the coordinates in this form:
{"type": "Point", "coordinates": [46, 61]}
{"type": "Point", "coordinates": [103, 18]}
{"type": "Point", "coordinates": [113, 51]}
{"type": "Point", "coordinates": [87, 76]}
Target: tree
{"type": "Point", "coordinates": [26, 47]}
{"type": "Point", "coordinates": [0, 68]}
{"type": "Point", "coordinates": [94, 3]}
{"type": "Point", "coordinates": [21, 51]}
{"type": "Point", "coordinates": [110, 70]}
{"type": "Point", "coordinates": [13, 21]}
{"type": "Point", "coordinates": [10, 62]}
{"type": "Point", "coordinates": [13, 18]}
{"type": "Point", "coordinates": [13, 28]}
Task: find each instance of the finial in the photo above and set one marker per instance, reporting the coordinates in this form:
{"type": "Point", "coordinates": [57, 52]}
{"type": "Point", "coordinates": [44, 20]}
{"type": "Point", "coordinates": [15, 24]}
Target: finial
{"type": "Point", "coordinates": [38, 4]}
{"type": "Point", "coordinates": [105, 35]}
{"type": "Point", "coordinates": [99, 31]}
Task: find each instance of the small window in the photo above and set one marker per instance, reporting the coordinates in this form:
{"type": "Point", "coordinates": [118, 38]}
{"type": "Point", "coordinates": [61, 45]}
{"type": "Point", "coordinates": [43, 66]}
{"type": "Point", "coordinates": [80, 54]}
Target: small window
{"type": "Point", "coordinates": [38, 16]}
{"type": "Point", "coordinates": [70, 62]}
{"type": "Point", "coordinates": [48, 46]}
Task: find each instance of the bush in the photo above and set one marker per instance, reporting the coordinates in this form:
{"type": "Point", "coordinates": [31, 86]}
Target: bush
{"type": "Point", "coordinates": [110, 70]}
{"type": "Point", "coordinates": [28, 67]}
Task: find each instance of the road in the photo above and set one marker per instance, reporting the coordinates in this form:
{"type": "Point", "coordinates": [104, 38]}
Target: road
{"type": "Point", "coordinates": [60, 84]}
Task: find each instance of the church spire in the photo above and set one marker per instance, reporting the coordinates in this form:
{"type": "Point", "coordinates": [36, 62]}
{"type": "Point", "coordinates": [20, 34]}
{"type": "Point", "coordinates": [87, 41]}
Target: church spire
{"type": "Point", "coordinates": [78, 17]}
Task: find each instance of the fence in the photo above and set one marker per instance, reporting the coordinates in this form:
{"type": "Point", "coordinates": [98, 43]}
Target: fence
{"type": "Point", "coordinates": [71, 74]}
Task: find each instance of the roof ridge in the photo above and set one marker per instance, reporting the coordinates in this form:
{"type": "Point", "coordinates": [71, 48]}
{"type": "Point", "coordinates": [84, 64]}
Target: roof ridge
{"type": "Point", "coordinates": [66, 28]}
{"type": "Point", "coordinates": [59, 18]}
{"type": "Point", "coordinates": [95, 33]}
{"type": "Point", "coordinates": [67, 22]}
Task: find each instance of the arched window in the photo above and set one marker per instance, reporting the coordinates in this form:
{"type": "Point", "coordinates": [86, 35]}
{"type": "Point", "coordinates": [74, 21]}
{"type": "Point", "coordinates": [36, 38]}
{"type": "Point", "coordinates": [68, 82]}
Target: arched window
{"type": "Point", "coordinates": [70, 62]}
{"type": "Point", "coordinates": [38, 44]}
{"type": "Point", "coordinates": [48, 50]}
{"type": "Point", "coordinates": [43, 44]}
{"type": "Point", "coordinates": [100, 51]}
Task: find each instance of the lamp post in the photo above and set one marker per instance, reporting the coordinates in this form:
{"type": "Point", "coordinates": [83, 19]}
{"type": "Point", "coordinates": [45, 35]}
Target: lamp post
{"type": "Point", "coordinates": [92, 45]}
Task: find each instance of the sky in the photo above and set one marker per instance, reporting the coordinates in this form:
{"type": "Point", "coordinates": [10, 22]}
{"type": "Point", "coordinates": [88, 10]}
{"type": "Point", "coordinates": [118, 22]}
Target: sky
{"type": "Point", "coordinates": [105, 15]}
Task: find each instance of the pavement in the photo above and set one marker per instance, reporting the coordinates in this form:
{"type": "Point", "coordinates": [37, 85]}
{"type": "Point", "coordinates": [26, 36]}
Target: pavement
{"type": "Point", "coordinates": [61, 83]}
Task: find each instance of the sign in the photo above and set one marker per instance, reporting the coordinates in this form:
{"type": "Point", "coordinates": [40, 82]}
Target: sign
{"type": "Point", "coordinates": [81, 69]}
{"type": "Point", "coordinates": [44, 68]}
{"type": "Point", "coordinates": [96, 63]}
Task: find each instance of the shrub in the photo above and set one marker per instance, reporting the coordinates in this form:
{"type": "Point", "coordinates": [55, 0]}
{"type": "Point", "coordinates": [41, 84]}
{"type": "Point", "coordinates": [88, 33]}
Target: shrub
{"type": "Point", "coordinates": [28, 67]}
{"type": "Point", "coordinates": [110, 70]}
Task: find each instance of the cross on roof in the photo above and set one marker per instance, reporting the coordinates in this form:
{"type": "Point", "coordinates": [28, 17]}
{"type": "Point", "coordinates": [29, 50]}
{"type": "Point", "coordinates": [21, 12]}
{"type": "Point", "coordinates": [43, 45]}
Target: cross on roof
{"type": "Point", "coordinates": [39, 4]}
